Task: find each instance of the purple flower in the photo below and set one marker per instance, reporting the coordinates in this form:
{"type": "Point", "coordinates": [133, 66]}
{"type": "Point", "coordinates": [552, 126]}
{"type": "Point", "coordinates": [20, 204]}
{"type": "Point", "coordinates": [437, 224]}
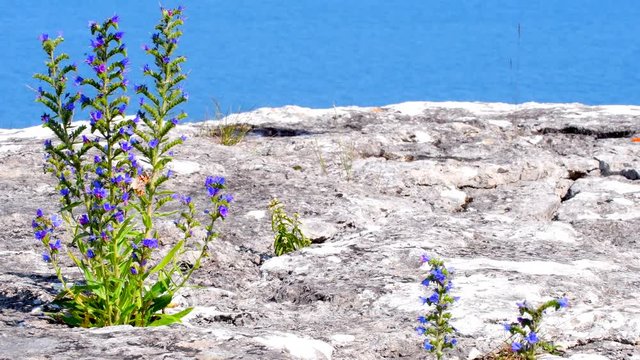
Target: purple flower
{"type": "Point", "coordinates": [213, 191]}
{"type": "Point", "coordinates": [217, 181]}
{"type": "Point", "coordinates": [507, 327]}
{"type": "Point", "coordinates": [96, 159]}
{"type": "Point", "coordinates": [55, 246]}
{"type": "Point", "coordinates": [183, 138]}
{"type": "Point", "coordinates": [227, 197]}
{"type": "Point", "coordinates": [90, 254]}
{"type": "Point", "coordinates": [83, 219]}
{"type": "Point", "coordinates": [420, 330]}
{"type": "Point", "coordinates": [153, 143]}
{"type": "Point", "coordinates": [174, 121]}
{"type": "Point", "coordinates": [90, 59]}
{"type": "Point", "coordinates": [118, 36]}
{"type": "Point", "coordinates": [166, 59]}
{"type": "Point", "coordinates": [39, 213]}
{"type": "Point", "coordinates": [119, 216]}
{"type": "Point", "coordinates": [522, 304]}
{"type": "Point", "coordinates": [169, 173]}
{"type": "Point", "coordinates": [223, 211]}
{"type": "Point", "coordinates": [43, 37]}
{"type": "Point", "coordinates": [108, 207]}
{"type": "Point", "coordinates": [99, 193]}
{"type": "Point", "coordinates": [125, 198]}
{"type": "Point", "coordinates": [426, 282]}
{"type": "Point", "coordinates": [78, 80]}
{"type": "Point", "coordinates": [100, 69]}
{"type": "Point", "coordinates": [99, 171]}
{"type": "Point", "coordinates": [69, 106]}
{"type": "Point", "coordinates": [424, 258]}
{"type": "Point", "coordinates": [150, 243]}
{"type": "Point", "coordinates": [114, 19]}
{"type": "Point", "coordinates": [45, 118]}
{"type": "Point", "coordinates": [64, 191]}
{"type": "Point", "coordinates": [146, 68]}
{"type": "Point", "coordinates": [84, 100]}
{"type": "Point", "coordinates": [46, 257]}
{"type": "Point", "coordinates": [424, 300]}
{"type": "Point", "coordinates": [133, 271]}
{"type": "Point", "coordinates": [516, 346]}
{"type": "Point", "coordinates": [122, 108]}
{"type": "Point", "coordinates": [98, 42]}
{"type": "Point", "coordinates": [47, 143]}
{"type": "Point", "coordinates": [56, 221]}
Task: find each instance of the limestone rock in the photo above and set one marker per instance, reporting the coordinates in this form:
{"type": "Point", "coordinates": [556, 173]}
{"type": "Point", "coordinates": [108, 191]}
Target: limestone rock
{"type": "Point", "coordinates": [530, 201]}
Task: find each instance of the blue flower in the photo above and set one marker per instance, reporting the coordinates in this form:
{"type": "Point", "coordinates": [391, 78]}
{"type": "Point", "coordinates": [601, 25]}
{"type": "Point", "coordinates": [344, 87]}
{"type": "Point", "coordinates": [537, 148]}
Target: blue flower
{"type": "Point", "coordinates": [46, 257]}
{"type": "Point", "coordinates": [424, 258]}
{"type": "Point", "coordinates": [146, 68]}
{"type": "Point", "coordinates": [433, 299]}
{"type": "Point", "coordinates": [153, 143]}
{"type": "Point", "coordinates": [39, 213]}
{"type": "Point", "coordinates": [99, 171]}
{"type": "Point", "coordinates": [56, 221]}
{"type": "Point", "coordinates": [438, 275]}
{"type": "Point", "coordinates": [427, 345]}
{"type": "Point", "coordinates": [217, 181]}
{"type": "Point", "coordinates": [522, 304]}
{"type": "Point", "coordinates": [108, 207]}
{"type": "Point", "coordinates": [227, 197]}
{"type": "Point", "coordinates": [532, 338]}
{"type": "Point", "coordinates": [84, 100]}
{"type": "Point", "coordinates": [507, 327]}
{"type": "Point", "coordinates": [425, 282]}
{"type": "Point", "coordinates": [516, 346]}
{"type": "Point", "coordinates": [133, 271]}
{"type": "Point", "coordinates": [64, 191]}
{"type": "Point", "coordinates": [563, 302]}
{"type": "Point", "coordinates": [96, 159]}
{"type": "Point", "coordinates": [40, 234]}
{"type": "Point", "coordinates": [166, 59]}
{"type": "Point", "coordinates": [69, 106]}
{"type": "Point", "coordinates": [114, 19]}
{"type": "Point", "coordinates": [90, 254]}
{"type": "Point", "coordinates": [213, 191]}
{"type": "Point", "coordinates": [174, 121]}
{"type": "Point", "coordinates": [150, 243]}
{"type": "Point", "coordinates": [78, 80]}
{"type": "Point", "coordinates": [420, 330]}
{"type": "Point", "coordinates": [119, 216]}
{"type": "Point", "coordinates": [118, 36]}
{"type": "Point", "coordinates": [43, 37]}
{"type": "Point", "coordinates": [47, 143]}
{"type": "Point", "coordinates": [95, 116]}
{"type": "Point", "coordinates": [55, 246]}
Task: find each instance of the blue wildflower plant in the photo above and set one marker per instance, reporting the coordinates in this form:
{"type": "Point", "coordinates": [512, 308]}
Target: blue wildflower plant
{"type": "Point", "coordinates": [112, 180]}
{"type": "Point", "coordinates": [435, 324]}
{"type": "Point", "coordinates": [525, 337]}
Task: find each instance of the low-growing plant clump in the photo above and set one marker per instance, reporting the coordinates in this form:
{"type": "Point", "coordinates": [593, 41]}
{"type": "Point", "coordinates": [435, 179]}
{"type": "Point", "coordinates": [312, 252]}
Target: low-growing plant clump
{"type": "Point", "coordinates": [288, 236]}
{"type": "Point", "coordinates": [435, 324]}
{"type": "Point", "coordinates": [112, 178]}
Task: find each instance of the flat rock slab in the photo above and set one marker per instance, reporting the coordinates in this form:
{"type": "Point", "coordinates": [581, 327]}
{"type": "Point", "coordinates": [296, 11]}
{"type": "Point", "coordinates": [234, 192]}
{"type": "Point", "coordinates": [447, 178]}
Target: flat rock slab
{"type": "Point", "coordinates": [530, 201]}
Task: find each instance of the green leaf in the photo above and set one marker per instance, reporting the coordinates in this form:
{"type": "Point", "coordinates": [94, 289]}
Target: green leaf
{"type": "Point", "coordinates": [162, 264]}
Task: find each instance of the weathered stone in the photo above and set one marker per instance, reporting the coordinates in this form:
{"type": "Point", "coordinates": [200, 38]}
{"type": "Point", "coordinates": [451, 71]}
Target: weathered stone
{"type": "Point", "coordinates": [531, 201]}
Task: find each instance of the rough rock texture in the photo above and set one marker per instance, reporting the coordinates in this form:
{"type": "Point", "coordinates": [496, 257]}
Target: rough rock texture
{"type": "Point", "coordinates": [532, 201]}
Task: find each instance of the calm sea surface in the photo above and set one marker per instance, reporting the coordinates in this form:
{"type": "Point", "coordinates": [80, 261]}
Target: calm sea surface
{"type": "Point", "coordinates": [248, 54]}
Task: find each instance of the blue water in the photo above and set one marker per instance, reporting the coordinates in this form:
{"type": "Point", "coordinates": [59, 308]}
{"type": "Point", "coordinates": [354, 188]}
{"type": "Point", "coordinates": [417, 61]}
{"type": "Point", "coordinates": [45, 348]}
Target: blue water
{"type": "Point", "coordinates": [248, 54]}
